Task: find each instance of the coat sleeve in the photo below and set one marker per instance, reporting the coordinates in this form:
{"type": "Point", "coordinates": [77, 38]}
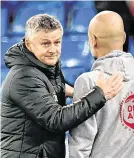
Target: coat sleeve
{"type": "Point", "coordinates": [30, 93]}
{"type": "Point", "coordinates": [82, 137]}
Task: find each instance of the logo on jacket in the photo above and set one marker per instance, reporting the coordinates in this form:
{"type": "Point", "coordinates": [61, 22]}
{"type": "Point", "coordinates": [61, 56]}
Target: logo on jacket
{"type": "Point", "coordinates": [55, 97]}
{"type": "Point", "coordinates": [127, 111]}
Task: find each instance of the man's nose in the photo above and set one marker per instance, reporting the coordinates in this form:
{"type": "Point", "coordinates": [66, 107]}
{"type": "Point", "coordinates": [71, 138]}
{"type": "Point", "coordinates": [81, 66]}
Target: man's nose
{"type": "Point", "coordinates": [52, 48]}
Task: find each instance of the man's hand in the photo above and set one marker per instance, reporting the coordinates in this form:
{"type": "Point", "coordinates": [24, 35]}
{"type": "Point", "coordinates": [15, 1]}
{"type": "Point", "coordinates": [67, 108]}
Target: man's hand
{"type": "Point", "coordinates": [69, 90]}
{"type": "Point", "coordinates": [110, 86]}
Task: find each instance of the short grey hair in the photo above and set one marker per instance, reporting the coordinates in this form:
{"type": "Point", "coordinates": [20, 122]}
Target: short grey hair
{"type": "Point", "coordinates": [40, 22]}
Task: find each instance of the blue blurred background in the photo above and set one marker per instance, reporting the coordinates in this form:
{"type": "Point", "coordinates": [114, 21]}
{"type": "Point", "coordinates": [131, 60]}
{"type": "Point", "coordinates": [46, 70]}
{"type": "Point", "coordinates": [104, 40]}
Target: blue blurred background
{"type": "Point", "coordinates": [74, 16]}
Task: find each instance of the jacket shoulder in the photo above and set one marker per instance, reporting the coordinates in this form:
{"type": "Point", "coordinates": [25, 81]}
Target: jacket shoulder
{"type": "Point", "coordinates": [26, 71]}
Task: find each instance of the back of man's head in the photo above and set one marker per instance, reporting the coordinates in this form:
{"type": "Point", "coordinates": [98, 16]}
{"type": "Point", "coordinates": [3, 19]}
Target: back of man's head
{"type": "Point", "coordinates": [107, 29]}
{"type": "Point", "coordinates": [40, 22]}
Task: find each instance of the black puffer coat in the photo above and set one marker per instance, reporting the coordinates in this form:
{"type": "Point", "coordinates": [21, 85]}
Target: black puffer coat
{"type": "Point", "coordinates": [33, 119]}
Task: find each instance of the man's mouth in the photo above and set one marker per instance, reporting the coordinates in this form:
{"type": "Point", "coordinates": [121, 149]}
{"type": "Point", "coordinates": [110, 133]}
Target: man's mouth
{"type": "Point", "coordinates": [51, 57]}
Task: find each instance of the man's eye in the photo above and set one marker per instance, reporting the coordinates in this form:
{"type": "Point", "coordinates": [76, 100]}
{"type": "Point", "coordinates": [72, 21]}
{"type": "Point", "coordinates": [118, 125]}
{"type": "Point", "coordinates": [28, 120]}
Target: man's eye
{"type": "Point", "coordinates": [57, 42]}
{"type": "Point", "coordinates": [46, 43]}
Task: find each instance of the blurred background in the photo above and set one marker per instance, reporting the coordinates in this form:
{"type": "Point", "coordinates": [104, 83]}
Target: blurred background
{"type": "Point", "coordinates": [74, 17]}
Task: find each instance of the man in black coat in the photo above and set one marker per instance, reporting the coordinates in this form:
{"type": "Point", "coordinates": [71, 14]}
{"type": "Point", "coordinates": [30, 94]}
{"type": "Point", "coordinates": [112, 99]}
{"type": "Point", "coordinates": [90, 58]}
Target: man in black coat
{"type": "Point", "coordinates": [33, 117]}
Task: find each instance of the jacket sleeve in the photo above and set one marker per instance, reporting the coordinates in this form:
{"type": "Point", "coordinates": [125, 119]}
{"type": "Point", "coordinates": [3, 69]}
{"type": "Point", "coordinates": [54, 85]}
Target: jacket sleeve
{"type": "Point", "coordinates": [30, 93]}
{"type": "Point", "coordinates": [82, 137]}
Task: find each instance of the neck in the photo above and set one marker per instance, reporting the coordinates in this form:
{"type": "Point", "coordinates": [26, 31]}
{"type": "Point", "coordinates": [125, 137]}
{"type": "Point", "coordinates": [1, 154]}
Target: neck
{"type": "Point", "coordinates": [104, 51]}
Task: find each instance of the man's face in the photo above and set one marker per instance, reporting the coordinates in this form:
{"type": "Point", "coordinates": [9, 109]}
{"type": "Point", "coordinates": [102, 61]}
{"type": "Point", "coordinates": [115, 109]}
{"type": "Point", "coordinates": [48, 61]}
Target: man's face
{"type": "Point", "coordinates": [46, 46]}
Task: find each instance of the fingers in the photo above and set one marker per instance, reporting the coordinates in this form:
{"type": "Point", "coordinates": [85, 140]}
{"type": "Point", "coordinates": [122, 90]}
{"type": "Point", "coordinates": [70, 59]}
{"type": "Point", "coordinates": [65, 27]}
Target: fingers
{"type": "Point", "coordinates": [110, 86]}
{"type": "Point", "coordinates": [114, 92]}
{"type": "Point", "coordinates": [114, 85]}
{"type": "Point", "coordinates": [114, 79]}
{"type": "Point", "coordinates": [117, 82]}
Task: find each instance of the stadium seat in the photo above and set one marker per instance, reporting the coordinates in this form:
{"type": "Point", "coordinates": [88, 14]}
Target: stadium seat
{"type": "Point", "coordinates": [32, 8]}
{"type": "Point", "coordinates": [85, 4]}
{"type": "Point", "coordinates": [82, 13]}
{"type": "Point", "coordinates": [81, 19]}
{"type": "Point", "coordinates": [131, 45]}
{"type": "Point", "coordinates": [76, 57]}
{"type": "Point", "coordinates": [4, 21]}
{"type": "Point", "coordinates": [6, 43]}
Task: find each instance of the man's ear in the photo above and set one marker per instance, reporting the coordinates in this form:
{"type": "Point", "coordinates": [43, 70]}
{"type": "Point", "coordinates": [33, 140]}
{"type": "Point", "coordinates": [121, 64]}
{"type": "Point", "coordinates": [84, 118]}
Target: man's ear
{"type": "Point", "coordinates": [94, 40]}
{"type": "Point", "coordinates": [27, 43]}
{"type": "Point", "coordinates": [124, 38]}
